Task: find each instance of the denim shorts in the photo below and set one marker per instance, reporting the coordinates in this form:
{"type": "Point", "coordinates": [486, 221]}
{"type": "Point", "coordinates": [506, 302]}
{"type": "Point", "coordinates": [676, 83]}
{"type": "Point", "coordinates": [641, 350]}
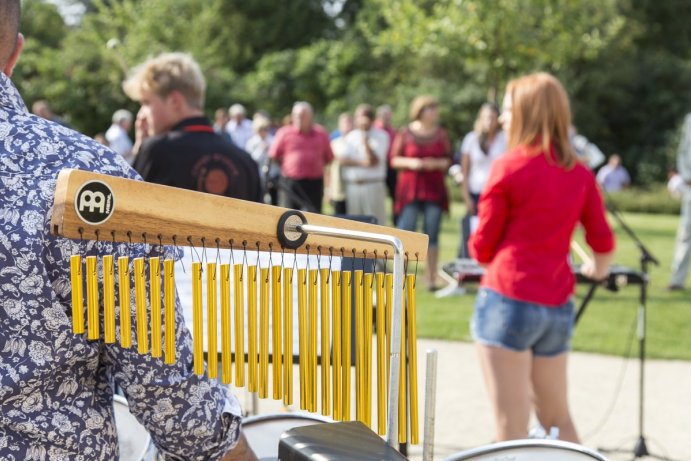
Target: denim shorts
{"type": "Point", "coordinates": [518, 325]}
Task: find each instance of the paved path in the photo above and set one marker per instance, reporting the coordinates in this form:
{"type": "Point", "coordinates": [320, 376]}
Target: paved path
{"type": "Point", "coordinates": [463, 418]}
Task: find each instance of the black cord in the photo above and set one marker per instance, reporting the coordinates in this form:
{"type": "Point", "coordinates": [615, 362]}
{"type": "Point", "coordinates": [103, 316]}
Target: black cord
{"type": "Point", "coordinates": [617, 391]}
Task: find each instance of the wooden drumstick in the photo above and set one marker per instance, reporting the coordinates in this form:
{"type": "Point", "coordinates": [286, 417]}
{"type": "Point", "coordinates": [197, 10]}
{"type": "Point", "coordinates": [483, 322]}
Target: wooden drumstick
{"type": "Point", "coordinates": [580, 251]}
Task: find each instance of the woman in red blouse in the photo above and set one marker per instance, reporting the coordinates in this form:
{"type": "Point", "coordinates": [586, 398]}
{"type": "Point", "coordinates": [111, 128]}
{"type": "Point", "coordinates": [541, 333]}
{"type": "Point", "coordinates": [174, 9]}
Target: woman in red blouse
{"type": "Point", "coordinates": [535, 196]}
{"type": "Point", "coordinates": [422, 154]}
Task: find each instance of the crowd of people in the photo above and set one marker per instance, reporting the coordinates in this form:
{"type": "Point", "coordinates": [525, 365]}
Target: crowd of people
{"type": "Point", "coordinates": [524, 181]}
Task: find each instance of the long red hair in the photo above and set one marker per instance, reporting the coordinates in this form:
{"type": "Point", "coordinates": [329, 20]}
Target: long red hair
{"type": "Point", "coordinates": [540, 117]}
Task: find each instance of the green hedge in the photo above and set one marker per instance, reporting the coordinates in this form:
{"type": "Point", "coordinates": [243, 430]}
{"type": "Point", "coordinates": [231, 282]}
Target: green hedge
{"type": "Point", "coordinates": [654, 199]}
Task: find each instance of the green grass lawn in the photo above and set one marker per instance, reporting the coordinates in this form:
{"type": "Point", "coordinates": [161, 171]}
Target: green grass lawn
{"type": "Point", "coordinates": [609, 320]}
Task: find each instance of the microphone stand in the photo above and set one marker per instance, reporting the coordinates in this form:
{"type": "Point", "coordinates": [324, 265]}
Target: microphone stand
{"type": "Point", "coordinates": [646, 258]}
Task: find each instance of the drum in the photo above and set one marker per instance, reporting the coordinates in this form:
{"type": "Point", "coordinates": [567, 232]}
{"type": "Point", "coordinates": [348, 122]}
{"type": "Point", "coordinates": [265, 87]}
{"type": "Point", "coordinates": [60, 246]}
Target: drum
{"type": "Point", "coordinates": [529, 450]}
{"type": "Point", "coordinates": [263, 432]}
{"type": "Point", "coordinates": [133, 439]}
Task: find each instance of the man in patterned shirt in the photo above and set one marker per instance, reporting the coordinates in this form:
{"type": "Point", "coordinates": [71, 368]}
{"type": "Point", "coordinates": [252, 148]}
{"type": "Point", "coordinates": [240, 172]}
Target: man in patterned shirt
{"type": "Point", "coordinates": [56, 389]}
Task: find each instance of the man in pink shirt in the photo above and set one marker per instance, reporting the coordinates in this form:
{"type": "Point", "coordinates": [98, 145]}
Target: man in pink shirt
{"type": "Point", "coordinates": [303, 150]}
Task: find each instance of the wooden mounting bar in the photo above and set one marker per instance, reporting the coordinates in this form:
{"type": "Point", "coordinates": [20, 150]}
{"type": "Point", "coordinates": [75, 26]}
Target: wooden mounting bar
{"type": "Point", "coordinates": [140, 212]}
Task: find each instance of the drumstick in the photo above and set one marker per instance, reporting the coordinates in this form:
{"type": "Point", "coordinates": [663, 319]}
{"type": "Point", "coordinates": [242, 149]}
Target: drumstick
{"type": "Point", "coordinates": [578, 249]}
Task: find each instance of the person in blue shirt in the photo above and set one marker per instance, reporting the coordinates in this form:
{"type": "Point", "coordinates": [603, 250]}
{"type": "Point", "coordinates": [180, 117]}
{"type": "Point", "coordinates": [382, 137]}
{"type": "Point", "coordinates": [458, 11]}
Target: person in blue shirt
{"type": "Point", "coordinates": [56, 388]}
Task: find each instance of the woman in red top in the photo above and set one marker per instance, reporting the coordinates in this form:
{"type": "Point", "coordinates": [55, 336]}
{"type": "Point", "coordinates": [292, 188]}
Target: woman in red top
{"type": "Point", "coordinates": [535, 196]}
{"type": "Point", "coordinates": [422, 154]}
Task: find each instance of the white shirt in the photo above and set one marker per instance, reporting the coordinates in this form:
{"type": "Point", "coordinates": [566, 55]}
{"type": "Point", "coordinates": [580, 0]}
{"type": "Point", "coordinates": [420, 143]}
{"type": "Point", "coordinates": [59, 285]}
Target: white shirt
{"type": "Point", "coordinates": [339, 148]}
{"type": "Point", "coordinates": [355, 150]}
{"type": "Point", "coordinates": [258, 148]}
{"type": "Point", "coordinates": [240, 133]}
{"type": "Point", "coordinates": [587, 150]}
{"type": "Point", "coordinates": [684, 153]}
{"type": "Point", "coordinates": [119, 141]}
{"type": "Point", "coordinates": [480, 162]}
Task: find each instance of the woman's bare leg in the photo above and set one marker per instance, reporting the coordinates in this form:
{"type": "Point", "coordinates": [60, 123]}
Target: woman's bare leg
{"type": "Point", "coordinates": [550, 395]}
{"type": "Point", "coordinates": [507, 375]}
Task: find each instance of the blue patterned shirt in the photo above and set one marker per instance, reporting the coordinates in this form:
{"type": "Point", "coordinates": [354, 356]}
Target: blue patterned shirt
{"type": "Point", "coordinates": [56, 388]}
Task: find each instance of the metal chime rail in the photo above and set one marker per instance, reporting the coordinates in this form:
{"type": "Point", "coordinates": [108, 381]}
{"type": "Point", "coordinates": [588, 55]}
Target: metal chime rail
{"type": "Point", "coordinates": [91, 206]}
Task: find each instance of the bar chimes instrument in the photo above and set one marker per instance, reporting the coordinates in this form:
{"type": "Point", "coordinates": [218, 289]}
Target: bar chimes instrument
{"type": "Point", "coordinates": [90, 206]}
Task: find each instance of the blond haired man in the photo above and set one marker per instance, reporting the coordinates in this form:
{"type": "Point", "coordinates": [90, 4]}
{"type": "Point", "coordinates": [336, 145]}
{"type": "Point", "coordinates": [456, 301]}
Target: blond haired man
{"type": "Point", "coordinates": [184, 150]}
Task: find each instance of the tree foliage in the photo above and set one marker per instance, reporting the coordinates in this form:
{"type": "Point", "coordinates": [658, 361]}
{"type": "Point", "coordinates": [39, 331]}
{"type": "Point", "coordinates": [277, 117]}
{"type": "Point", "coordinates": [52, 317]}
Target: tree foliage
{"type": "Point", "coordinates": [625, 63]}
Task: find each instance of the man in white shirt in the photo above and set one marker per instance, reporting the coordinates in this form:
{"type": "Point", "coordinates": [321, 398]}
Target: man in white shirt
{"type": "Point", "coordinates": [682, 252]}
{"type": "Point", "coordinates": [117, 137]}
{"type": "Point", "coordinates": [364, 166]}
{"type": "Point", "coordinates": [239, 127]}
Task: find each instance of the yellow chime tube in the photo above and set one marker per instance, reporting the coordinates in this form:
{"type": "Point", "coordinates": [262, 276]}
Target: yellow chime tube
{"type": "Point", "coordinates": [253, 377]}
{"type": "Point", "coordinates": [302, 335]}
{"type": "Point", "coordinates": [312, 347]}
{"type": "Point", "coordinates": [197, 333]}
{"type": "Point", "coordinates": [240, 326]}
{"type": "Point", "coordinates": [169, 308]}
{"type": "Point", "coordinates": [345, 338]}
{"type": "Point", "coordinates": [226, 357]}
{"type": "Point", "coordinates": [212, 324]}
{"type": "Point", "coordinates": [140, 306]}
{"type": "Point", "coordinates": [402, 392]}
{"type": "Point", "coordinates": [288, 336]}
{"type": "Point", "coordinates": [412, 358]}
{"type": "Point", "coordinates": [93, 322]}
{"type": "Point", "coordinates": [124, 296]}
{"type": "Point", "coordinates": [276, 362]}
{"type": "Point", "coordinates": [326, 301]}
{"type": "Point", "coordinates": [108, 299]}
{"type": "Point", "coordinates": [367, 373]}
{"type": "Point", "coordinates": [324, 353]}
{"type": "Point", "coordinates": [77, 294]}
{"type": "Point", "coordinates": [336, 333]}
{"type": "Point", "coordinates": [155, 296]}
{"type": "Point", "coordinates": [263, 333]}
{"type": "Point", "coordinates": [359, 350]}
